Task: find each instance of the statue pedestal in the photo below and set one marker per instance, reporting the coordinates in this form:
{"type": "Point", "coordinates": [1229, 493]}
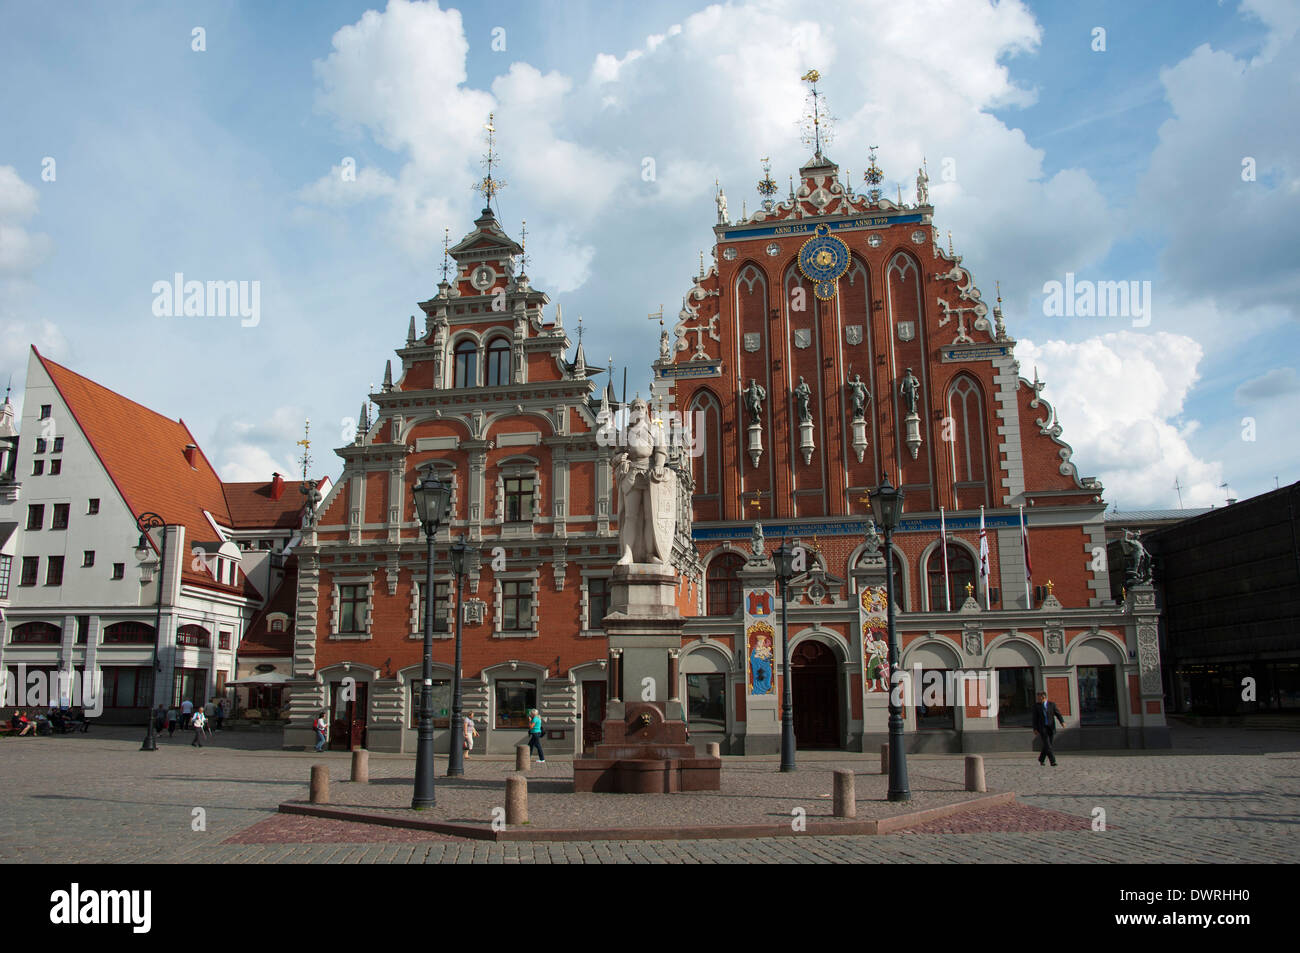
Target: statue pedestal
{"type": "Point", "coordinates": [644, 747]}
{"type": "Point", "coordinates": [755, 442]}
{"type": "Point", "coordinates": [912, 431]}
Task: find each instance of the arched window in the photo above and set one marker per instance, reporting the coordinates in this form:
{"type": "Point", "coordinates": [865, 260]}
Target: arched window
{"type": "Point", "coordinates": [41, 632]}
{"type": "Point", "coordinates": [139, 633]}
{"type": "Point", "coordinates": [724, 584]}
{"type": "Point", "coordinates": [466, 364]}
{"type": "Point", "coordinates": [498, 362]}
{"type": "Point", "coordinates": [968, 470]}
{"type": "Point", "coordinates": [194, 635]}
{"type": "Point", "coordinates": [961, 570]}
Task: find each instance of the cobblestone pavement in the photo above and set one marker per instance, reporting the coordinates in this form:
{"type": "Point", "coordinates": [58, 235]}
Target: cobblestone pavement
{"type": "Point", "coordinates": [1219, 795]}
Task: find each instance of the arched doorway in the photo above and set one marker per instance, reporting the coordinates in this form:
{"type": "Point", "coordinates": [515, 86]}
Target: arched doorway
{"type": "Point", "coordinates": [815, 690]}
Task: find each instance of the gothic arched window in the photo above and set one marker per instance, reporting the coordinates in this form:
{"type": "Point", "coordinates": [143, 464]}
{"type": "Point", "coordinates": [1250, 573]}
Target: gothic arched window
{"type": "Point", "coordinates": [466, 364]}
{"type": "Point", "coordinates": [966, 410]}
{"type": "Point", "coordinates": [498, 363]}
{"type": "Point", "coordinates": [961, 570]}
{"type": "Point", "coordinates": [724, 584]}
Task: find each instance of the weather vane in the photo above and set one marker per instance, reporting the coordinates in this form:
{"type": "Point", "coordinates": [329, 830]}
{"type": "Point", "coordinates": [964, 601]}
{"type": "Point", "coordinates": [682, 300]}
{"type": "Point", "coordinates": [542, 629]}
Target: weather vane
{"type": "Point", "coordinates": [490, 186]}
{"type": "Point", "coordinates": [305, 443]}
{"type": "Point", "coordinates": [817, 123]}
{"type": "Point", "coordinates": [766, 186]}
{"type": "Point", "coordinates": [446, 245]}
{"type": "Point", "coordinates": [523, 249]}
{"type": "Point", "coordinates": [873, 176]}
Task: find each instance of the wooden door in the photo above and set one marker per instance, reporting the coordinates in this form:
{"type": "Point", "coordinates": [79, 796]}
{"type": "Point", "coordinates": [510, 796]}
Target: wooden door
{"type": "Point", "coordinates": [815, 691]}
{"type": "Point", "coordinates": [593, 713]}
{"type": "Point", "coordinates": [348, 716]}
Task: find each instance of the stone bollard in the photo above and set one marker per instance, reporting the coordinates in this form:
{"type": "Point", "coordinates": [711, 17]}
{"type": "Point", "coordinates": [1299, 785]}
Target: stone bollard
{"type": "Point", "coordinates": [846, 802]}
{"type": "Point", "coordinates": [714, 749]}
{"type": "Point", "coordinates": [517, 799]}
{"type": "Point", "coordinates": [884, 759]}
{"type": "Point", "coordinates": [361, 766]}
{"type": "Point", "coordinates": [521, 758]}
{"type": "Point", "coordinates": [320, 784]}
{"type": "Point", "coordinates": [975, 773]}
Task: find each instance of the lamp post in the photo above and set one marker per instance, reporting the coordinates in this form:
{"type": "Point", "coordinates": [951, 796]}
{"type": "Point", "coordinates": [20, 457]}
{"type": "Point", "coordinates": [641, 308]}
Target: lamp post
{"type": "Point", "coordinates": [887, 507]}
{"type": "Point", "coordinates": [431, 496]}
{"type": "Point", "coordinates": [456, 755]}
{"type": "Point", "coordinates": [144, 523]}
{"type": "Point", "coordinates": [785, 572]}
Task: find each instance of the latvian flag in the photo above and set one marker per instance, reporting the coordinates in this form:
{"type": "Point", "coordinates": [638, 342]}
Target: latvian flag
{"type": "Point", "coordinates": [984, 562]}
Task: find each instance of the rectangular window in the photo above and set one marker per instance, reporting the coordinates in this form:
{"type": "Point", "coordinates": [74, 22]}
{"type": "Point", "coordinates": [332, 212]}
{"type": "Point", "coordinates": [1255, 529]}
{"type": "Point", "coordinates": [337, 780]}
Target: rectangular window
{"type": "Point", "coordinates": [706, 702]}
{"type": "Point", "coordinates": [352, 608]}
{"type": "Point", "coordinates": [83, 629]}
{"type": "Point", "coordinates": [88, 558]}
{"type": "Point", "coordinates": [6, 567]}
{"type": "Point", "coordinates": [441, 602]}
{"type": "Point", "coordinates": [54, 571]}
{"type": "Point", "coordinates": [38, 467]}
{"type": "Point", "coordinates": [1016, 698]}
{"type": "Point", "coordinates": [56, 467]}
{"type": "Point", "coordinates": [58, 444]}
{"type": "Point", "coordinates": [223, 640]}
{"type": "Point", "coordinates": [40, 445]}
{"type": "Point", "coordinates": [31, 568]}
{"type": "Point", "coordinates": [514, 699]}
{"type": "Point", "coordinates": [45, 411]}
{"type": "Point", "coordinates": [516, 605]}
{"type": "Point", "coordinates": [92, 508]}
{"type": "Point", "coordinates": [519, 499]}
{"type": "Point", "coordinates": [441, 703]}
{"type": "Point", "coordinates": [597, 600]}
{"type": "Point", "coordinates": [60, 516]}
{"type": "Point", "coordinates": [932, 700]}
{"type": "Point", "coordinates": [119, 570]}
{"type": "Point", "coordinates": [36, 516]}
{"type": "Point", "coordinates": [1098, 699]}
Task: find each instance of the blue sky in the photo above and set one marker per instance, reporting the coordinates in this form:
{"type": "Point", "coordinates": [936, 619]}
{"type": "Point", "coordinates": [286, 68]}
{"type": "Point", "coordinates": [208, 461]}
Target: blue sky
{"type": "Point", "coordinates": [222, 164]}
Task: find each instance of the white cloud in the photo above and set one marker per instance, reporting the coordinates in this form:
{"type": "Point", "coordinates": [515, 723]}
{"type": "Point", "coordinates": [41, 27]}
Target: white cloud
{"type": "Point", "coordinates": [1120, 399]}
{"type": "Point", "coordinates": [249, 450]}
{"type": "Point", "coordinates": [21, 251]}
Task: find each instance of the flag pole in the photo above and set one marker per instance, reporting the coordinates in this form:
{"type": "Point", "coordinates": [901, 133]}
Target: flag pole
{"type": "Point", "coordinates": [943, 544]}
{"type": "Point", "coordinates": [1029, 569]}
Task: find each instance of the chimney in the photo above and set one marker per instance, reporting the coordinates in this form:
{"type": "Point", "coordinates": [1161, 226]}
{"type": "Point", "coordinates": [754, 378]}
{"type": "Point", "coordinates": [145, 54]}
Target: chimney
{"type": "Point", "coordinates": [277, 486]}
{"type": "Point", "coordinates": [191, 454]}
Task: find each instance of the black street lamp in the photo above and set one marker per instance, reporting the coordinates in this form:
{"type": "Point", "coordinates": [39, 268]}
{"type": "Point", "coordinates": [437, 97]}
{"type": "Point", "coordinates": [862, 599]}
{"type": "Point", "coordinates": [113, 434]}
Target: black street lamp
{"type": "Point", "coordinates": [431, 497]}
{"type": "Point", "coordinates": [144, 523]}
{"type": "Point", "coordinates": [785, 572]}
{"type": "Point", "coordinates": [456, 756]}
{"type": "Point", "coordinates": [887, 506]}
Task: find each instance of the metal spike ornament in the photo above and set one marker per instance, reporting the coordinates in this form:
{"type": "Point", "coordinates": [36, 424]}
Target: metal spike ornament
{"type": "Point", "coordinates": [446, 247]}
{"type": "Point", "coordinates": [767, 187]}
{"type": "Point", "coordinates": [873, 176]}
{"type": "Point", "coordinates": [488, 185]}
{"type": "Point", "coordinates": [817, 122]}
{"type": "Point", "coordinates": [523, 247]}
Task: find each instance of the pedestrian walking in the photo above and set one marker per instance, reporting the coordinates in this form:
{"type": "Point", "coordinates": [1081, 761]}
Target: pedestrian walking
{"type": "Point", "coordinates": [535, 734]}
{"type": "Point", "coordinates": [320, 731]}
{"type": "Point", "coordinates": [221, 713]}
{"type": "Point", "coordinates": [187, 712]}
{"type": "Point", "coordinates": [1045, 718]}
{"type": "Point", "coordinates": [198, 721]}
{"type": "Point", "coordinates": [470, 733]}
{"type": "Point", "coordinates": [173, 719]}
{"type": "Point", "coordinates": [159, 718]}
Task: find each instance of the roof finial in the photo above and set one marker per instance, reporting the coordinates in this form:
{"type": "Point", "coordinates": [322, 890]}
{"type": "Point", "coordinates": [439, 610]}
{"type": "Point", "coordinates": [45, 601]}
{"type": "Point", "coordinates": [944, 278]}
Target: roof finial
{"type": "Point", "coordinates": [305, 443]}
{"type": "Point", "coordinates": [488, 185]}
{"type": "Point", "coordinates": [701, 263]}
{"type": "Point", "coordinates": [766, 187]}
{"type": "Point", "coordinates": [817, 123]}
{"type": "Point", "coordinates": [950, 243]}
{"type": "Point", "coordinates": [523, 247]}
{"type": "Point", "coordinates": [446, 245]}
{"type": "Point", "coordinates": [873, 176]}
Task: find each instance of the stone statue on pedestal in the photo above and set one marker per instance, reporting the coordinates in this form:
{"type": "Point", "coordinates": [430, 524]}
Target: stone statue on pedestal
{"type": "Point", "coordinates": [910, 388]}
{"type": "Point", "coordinates": [858, 397]}
{"type": "Point", "coordinates": [803, 398]}
{"type": "Point", "coordinates": [754, 397]}
{"type": "Point", "coordinates": [647, 492]}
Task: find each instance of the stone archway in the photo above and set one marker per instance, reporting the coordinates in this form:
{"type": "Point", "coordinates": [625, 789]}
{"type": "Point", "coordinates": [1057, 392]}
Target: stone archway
{"type": "Point", "coordinates": [816, 690]}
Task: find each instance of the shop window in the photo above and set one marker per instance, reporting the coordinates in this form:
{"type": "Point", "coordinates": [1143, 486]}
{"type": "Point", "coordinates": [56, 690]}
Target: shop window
{"type": "Point", "coordinates": [1098, 698]}
{"type": "Point", "coordinates": [1016, 698]}
{"type": "Point", "coordinates": [441, 703]}
{"type": "Point", "coordinates": [706, 701]}
{"type": "Point", "coordinates": [513, 700]}
{"type": "Point", "coordinates": [932, 700]}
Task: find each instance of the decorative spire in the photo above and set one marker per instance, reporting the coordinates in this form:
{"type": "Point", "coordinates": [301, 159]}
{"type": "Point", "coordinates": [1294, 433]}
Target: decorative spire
{"type": "Point", "coordinates": [999, 329]}
{"type": "Point", "coordinates": [792, 188]}
{"type": "Point", "coordinates": [410, 333]}
{"type": "Point", "coordinates": [766, 187]}
{"type": "Point", "coordinates": [363, 425]}
{"type": "Point", "coordinates": [388, 376]}
{"type": "Point", "coordinates": [559, 316]}
{"type": "Point", "coordinates": [446, 246]}
{"type": "Point", "coordinates": [305, 443]}
{"type": "Point", "coordinates": [523, 247]}
{"type": "Point", "coordinates": [488, 185]}
{"type": "Point", "coordinates": [701, 264]}
{"type": "Point", "coordinates": [580, 358]}
{"type": "Point", "coordinates": [950, 252]}
{"type": "Point", "coordinates": [817, 122]}
{"type": "Point", "coordinates": [873, 176]}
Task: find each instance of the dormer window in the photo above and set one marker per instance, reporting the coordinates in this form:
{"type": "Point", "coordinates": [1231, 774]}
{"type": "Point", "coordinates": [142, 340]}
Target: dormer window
{"type": "Point", "coordinates": [466, 364]}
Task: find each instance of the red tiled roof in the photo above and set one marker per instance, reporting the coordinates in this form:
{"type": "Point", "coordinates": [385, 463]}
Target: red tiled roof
{"type": "Point", "coordinates": [258, 638]}
{"type": "Point", "coordinates": [251, 507]}
{"type": "Point", "coordinates": [144, 455]}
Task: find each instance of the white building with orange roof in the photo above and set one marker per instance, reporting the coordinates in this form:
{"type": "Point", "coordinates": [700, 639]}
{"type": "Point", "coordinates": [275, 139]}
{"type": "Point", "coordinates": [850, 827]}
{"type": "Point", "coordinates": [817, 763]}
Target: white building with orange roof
{"type": "Point", "coordinates": [88, 592]}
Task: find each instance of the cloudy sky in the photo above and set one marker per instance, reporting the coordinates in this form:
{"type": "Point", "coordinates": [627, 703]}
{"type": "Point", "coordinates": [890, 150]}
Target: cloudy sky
{"type": "Point", "coordinates": [1110, 141]}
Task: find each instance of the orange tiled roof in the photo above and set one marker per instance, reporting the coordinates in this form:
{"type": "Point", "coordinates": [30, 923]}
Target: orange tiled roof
{"type": "Point", "coordinates": [144, 455]}
{"type": "Point", "coordinates": [251, 506]}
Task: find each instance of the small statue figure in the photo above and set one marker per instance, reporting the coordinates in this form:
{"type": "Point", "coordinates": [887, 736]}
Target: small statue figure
{"type": "Point", "coordinates": [310, 489]}
{"type": "Point", "coordinates": [922, 187]}
{"type": "Point", "coordinates": [910, 388]}
{"type": "Point", "coordinates": [1139, 560]}
{"type": "Point", "coordinates": [803, 398]}
{"type": "Point", "coordinates": [858, 397]}
{"type": "Point", "coordinates": [721, 200]}
{"type": "Point", "coordinates": [665, 348]}
{"type": "Point", "coordinates": [754, 397]}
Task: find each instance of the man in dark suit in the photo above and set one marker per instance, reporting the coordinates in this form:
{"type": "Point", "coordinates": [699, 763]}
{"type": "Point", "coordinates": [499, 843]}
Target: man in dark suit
{"type": "Point", "coordinates": [1045, 718]}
